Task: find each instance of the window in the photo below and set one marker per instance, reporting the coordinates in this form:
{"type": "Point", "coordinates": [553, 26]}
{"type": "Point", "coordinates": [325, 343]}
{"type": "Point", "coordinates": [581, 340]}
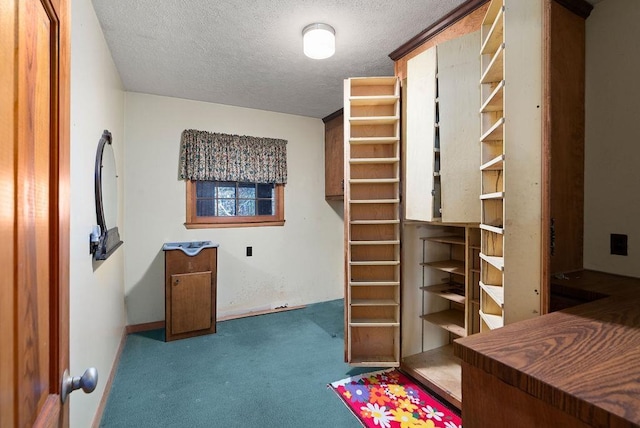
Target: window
{"type": "Point", "coordinates": [231, 203]}
{"type": "Point", "coordinates": [233, 180]}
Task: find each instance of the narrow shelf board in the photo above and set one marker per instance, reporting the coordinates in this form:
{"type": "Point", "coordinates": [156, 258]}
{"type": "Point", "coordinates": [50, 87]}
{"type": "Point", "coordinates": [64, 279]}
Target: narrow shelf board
{"type": "Point", "coordinates": [373, 140]}
{"type": "Point", "coordinates": [373, 161]}
{"type": "Point", "coordinates": [495, 34]}
{"type": "Point", "coordinates": [492, 13]}
{"type": "Point", "coordinates": [373, 322]}
{"type": "Point", "coordinates": [456, 240]}
{"type": "Point", "coordinates": [375, 263]}
{"type": "Point", "coordinates": [495, 133]}
{"type": "Point", "coordinates": [374, 201]}
{"type": "Point", "coordinates": [373, 302]}
{"type": "Point", "coordinates": [496, 262]}
{"type": "Point", "coordinates": [374, 283]}
{"type": "Point", "coordinates": [495, 100]}
{"type": "Point", "coordinates": [374, 222]}
{"type": "Point", "coordinates": [374, 361]}
{"type": "Point", "coordinates": [450, 320]}
{"type": "Point", "coordinates": [474, 247]}
{"type": "Point", "coordinates": [496, 195]}
{"type": "Point", "coordinates": [450, 266]}
{"type": "Point", "coordinates": [496, 292]}
{"type": "Point", "coordinates": [373, 100]}
{"type": "Point", "coordinates": [447, 291]}
{"type": "Point", "coordinates": [373, 180]}
{"type": "Point", "coordinates": [495, 164]}
{"type": "Point", "coordinates": [494, 229]}
{"type": "Point", "coordinates": [440, 370]}
{"type": "Point", "coordinates": [475, 270]}
{"type": "Point", "coordinates": [474, 301]}
{"type": "Point", "coordinates": [495, 70]}
{"type": "Point", "coordinates": [436, 173]}
{"type": "Point", "coordinates": [390, 242]}
{"type": "Point", "coordinates": [374, 81]}
{"type": "Point", "coordinates": [492, 321]}
{"type": "Point", "coordinates": [373, 120]}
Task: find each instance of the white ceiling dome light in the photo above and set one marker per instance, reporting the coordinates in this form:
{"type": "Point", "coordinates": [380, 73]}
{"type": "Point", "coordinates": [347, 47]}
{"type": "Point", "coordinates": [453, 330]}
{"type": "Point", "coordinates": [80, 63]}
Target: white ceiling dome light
{"type": "Point", "coordinates": [319, 40]}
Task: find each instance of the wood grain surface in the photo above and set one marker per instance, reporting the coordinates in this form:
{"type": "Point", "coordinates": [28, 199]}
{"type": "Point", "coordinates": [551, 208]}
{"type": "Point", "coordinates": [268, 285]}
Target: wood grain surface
{"type": "Point", "coordinates": [584, 360]}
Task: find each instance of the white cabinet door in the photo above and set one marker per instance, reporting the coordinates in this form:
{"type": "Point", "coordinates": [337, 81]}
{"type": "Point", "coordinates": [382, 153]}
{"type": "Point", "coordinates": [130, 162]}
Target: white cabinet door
{"type": "Point", "coordinates": [459, 124]}
{"type": "Point", "coordinates": [420, 138]}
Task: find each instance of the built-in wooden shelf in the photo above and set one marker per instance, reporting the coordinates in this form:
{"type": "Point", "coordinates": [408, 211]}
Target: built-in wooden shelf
{"type": "Point", "coordinates": [377, 100]}
{"type": "Point", "coordinates": [373, 120]}
{"type": "Point", "coordinates": [495, 164]}
{"type": "Point", "coordinates": [373, 302]}
{"type": "Point", "coordinates": [374, 222]}
{"type": "Point", "coordinates": [495, 132]}
{"type": "Point", "coordinates": [456, 240]}
{"type": "Point", "coordinates": [495, 261]}
{"type": "Point", "coordinates": [494, 195]}
{"type": "Point", "coordinates": [496, 292]}
{"type": "Point", "coordinates": [389, 242]}
{"type": "Point", "coordinates": [374, 201]}
{"type": "Point", "coordinates": [373, 322]}
{"type": "Point", "coordinates": [494, 37]}
{"type": "Point", "coordinates": [494, 71]}
{"type": "Point", "coordinates": [492, 229]}
{"type": "Point", "coordinates": [439, 370]}
{"type": "Point", "coordinates": [492, 321]}
{"type": "Point", "coordinates": [450, 266]}
{"type": "Point", "coordinates": [374, 283]}
{"type": "Point", "coordinates": [374, 180]}
{"type": "Point", "coordinates": [495, 100]}
{"type": "Point", "coordinates": [452, 292]}
{"type": "Point", "coordinates": [451, 320]}
{"type": "Point", "coordinates": [374, 161]}
{"type": "Point", "coordinates": [373, 140]}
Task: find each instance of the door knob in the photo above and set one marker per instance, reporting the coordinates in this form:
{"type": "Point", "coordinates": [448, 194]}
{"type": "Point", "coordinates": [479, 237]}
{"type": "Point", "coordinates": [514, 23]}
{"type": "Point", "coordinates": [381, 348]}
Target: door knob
{"type": "Point", "coordinates": [88, 382]}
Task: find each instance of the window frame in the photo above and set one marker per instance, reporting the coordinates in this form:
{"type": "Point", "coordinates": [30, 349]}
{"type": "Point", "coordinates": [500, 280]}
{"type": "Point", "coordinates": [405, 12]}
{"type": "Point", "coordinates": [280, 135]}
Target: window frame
{"type": "Point", "coordinates": [195, 222]}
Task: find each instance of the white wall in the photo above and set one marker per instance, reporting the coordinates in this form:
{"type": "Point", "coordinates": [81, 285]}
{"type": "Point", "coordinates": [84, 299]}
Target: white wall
{"type": "Point", "coordinates": [612, 147]}
{"type": "Point", "coordinates": [298, 263]}
{"type": "Point", "coordinates": [96, 290]}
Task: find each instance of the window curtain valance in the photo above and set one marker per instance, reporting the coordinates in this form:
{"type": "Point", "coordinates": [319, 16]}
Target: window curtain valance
{"type": "Point", "coordinates": [225, 157]}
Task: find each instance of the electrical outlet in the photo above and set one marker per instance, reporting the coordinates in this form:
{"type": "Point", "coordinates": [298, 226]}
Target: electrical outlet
{"type": "Point", "coordinates": [249, 251]}
{"type": "Point", "coordinates": [619, 244]}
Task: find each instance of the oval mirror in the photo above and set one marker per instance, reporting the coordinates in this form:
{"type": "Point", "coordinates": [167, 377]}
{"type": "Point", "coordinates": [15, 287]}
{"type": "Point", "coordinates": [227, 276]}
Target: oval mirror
{"type": "Point", "coordinates": [106, 191]}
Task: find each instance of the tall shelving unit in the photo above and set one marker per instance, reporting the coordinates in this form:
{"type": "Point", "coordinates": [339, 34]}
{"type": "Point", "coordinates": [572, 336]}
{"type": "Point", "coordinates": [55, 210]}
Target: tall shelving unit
{"type": "Point", "coordinates": [512, 162]}
{"type": "Point", "coordinates": [372, 221]}
{"type": "Point", "coordinates": [492, 169]}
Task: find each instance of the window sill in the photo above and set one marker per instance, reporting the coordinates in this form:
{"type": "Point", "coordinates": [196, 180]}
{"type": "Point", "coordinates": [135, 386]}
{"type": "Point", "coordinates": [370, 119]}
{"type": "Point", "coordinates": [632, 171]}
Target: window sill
{"type": "Point", "coordinates": [239, 224]}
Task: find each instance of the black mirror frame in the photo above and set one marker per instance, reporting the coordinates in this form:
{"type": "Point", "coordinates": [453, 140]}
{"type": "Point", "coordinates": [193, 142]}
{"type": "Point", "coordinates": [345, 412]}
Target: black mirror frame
{"type": "Point", "coordinates": [109, 240]}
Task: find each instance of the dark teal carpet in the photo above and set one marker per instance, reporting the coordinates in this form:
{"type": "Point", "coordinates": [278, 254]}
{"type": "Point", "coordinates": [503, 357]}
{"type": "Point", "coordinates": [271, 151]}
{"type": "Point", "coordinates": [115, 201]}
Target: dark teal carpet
{"type": "Point", "coordinates": [263, 371]}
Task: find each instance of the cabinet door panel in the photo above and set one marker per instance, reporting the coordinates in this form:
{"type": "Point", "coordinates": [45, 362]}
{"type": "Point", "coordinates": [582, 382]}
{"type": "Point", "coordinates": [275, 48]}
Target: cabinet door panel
{"type": "Point", "coordinates": [459, 102]}
{"type": "Point", "coordinates": [190, 302]}
{"type": "Point", "coordinates": [420, 136]}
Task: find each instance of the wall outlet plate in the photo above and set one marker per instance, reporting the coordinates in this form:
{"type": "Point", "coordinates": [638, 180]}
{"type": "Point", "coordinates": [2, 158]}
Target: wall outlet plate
{"type": "Point", "coordinates": [619, 244]}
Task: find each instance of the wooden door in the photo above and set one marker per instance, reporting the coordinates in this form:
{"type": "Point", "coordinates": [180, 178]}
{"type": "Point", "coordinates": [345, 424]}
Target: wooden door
{"type": "Point", "coordinates": [34, 211]}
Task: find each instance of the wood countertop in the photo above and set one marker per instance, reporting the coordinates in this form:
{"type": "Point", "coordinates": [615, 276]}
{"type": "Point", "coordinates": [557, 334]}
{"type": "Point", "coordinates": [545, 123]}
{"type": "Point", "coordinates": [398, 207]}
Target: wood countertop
{"type": "Point", "coordinates": [583, 360]}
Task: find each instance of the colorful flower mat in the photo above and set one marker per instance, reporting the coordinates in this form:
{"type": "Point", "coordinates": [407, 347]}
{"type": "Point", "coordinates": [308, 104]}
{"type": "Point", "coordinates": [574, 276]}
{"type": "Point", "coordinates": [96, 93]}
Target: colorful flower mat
{"type": "Point", "coordinates": [389, 399]}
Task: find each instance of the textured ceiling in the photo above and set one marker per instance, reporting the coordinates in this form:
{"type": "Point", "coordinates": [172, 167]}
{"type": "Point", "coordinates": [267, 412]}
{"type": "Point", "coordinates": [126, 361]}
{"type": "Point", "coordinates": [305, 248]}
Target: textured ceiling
{"type": "Point", "coordinates": [249, 53]}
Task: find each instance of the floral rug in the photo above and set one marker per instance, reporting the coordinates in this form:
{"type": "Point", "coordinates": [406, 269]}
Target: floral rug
{"type": "Point", "coordinates": [389, 399]}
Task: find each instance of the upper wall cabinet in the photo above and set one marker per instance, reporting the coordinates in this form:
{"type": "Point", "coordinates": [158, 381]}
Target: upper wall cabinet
{"type": "Point", "coordinates": [334, 156]}
{"type": "Point", "coordinates": [442, 180]}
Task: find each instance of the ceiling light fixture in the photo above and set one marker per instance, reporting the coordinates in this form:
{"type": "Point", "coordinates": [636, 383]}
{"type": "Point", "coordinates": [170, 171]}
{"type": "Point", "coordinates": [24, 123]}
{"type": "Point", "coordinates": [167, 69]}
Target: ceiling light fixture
{"type": "Point", "coordinates": [319, 40]}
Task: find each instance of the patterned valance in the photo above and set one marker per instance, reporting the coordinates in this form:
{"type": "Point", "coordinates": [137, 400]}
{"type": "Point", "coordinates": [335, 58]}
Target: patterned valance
{"type": "Point", "coordinates": [224, 157]}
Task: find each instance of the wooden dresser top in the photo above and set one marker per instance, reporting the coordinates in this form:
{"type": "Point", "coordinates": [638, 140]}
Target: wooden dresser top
{"type": "Point", "coordinates": [583, 360]}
